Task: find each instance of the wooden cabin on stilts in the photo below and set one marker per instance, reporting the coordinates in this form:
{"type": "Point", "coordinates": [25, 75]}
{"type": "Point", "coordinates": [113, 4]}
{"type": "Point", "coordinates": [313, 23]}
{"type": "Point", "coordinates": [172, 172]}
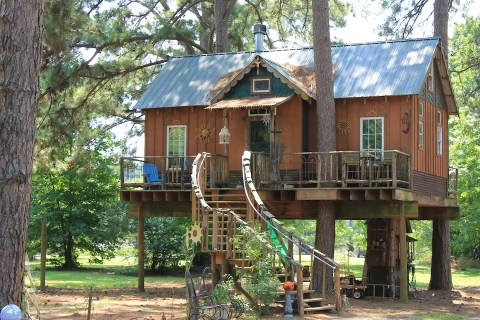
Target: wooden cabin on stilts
{"type": "Point", "coordinates": [230, 140]}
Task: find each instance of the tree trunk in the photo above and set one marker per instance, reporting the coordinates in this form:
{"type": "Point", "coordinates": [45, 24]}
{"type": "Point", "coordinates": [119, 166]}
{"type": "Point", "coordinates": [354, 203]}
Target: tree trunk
{"type": "Point", "coordinates": [69, 259]}
{"type": "Point", "coordinates": [223, 10]}
{"type": "Point", "coordinates": [440, 23]}
{"type": "Point", "coordinates": [441, 274]}
{"type": "Point", "coordinates": [326, 135]}
{"type": "Point", "coordinates": [20, 39]}
{"type": "Point", "coordinates": [324, 242]}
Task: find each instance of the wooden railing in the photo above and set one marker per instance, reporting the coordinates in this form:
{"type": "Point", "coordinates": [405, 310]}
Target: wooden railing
{"type": "Point", "coordinates": [221, 230]}
{"type": "Point", "coordinates": [345, 169]}
{"type": "Point", "coordinates": [452, 182]}
{"type": "Point", "coordinates": [290, 241]}
{"type": "Point", "coordinates": [171, 172]}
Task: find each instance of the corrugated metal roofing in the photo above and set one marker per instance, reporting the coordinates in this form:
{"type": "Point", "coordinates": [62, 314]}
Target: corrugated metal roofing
{"type": "Point", "coordinates": [250, 102]}
{"type": "Point", "coordinates": [362, 70]}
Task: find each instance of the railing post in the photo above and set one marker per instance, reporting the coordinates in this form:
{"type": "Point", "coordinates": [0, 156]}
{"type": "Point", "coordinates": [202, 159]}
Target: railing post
{"type": "Point", "coordinates": [394, 169]}
{"type": "Point", "coordinates": [300, 291]}
{"type": "Point", "coordinates": [290, 255]}
{"type": "Point", "coordinates": [336, 284]}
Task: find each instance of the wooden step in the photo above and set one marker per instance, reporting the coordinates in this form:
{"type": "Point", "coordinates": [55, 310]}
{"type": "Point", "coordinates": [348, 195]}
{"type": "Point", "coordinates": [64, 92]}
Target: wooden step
{"type": "Point", "coordinates": [309, 300]}
{"type": "Point", "coordinates": [241, 262]}
{"type": "Point", "coordinates": [322, 308]}
{"type": "Point", "coordinates": [306, 291]}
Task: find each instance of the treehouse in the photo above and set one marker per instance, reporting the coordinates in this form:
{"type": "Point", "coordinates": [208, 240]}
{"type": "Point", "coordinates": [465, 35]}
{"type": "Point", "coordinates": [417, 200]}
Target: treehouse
{"type": "Point", "coordinates": [392, 99]}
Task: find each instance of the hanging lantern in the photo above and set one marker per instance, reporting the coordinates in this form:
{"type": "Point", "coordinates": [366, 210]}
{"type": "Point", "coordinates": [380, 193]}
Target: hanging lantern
{"type": "Point", "coordinates": [224, 136]}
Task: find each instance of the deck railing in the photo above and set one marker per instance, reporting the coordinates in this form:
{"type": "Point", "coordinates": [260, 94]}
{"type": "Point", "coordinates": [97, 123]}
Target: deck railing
{"type": "Point", "coordinates": [333, 169]}
{"type": "Point", "coordinates": [452, 182]}
{"type": "Point", "coordinates": [168, 172]}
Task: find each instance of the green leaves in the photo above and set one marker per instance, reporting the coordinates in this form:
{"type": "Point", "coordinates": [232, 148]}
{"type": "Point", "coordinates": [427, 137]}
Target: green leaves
{"type": "Point", "coordinates": [465, 142]}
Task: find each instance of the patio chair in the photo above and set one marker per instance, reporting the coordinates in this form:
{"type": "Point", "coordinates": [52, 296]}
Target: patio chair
{"type": "Point", "coordinates": [151, 176]}
{"type": "Point", "coordinates": [203, 306]}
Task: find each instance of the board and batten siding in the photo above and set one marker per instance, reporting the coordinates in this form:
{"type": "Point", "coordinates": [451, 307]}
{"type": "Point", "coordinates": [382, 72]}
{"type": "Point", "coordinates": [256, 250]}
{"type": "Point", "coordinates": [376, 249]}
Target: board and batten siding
{"type": "Point", "coordinates": [289, 122]}
{"type": "Point", "coordinates": [392, 109]}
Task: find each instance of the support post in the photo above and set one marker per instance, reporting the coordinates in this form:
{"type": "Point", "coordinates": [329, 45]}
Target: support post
{"type": "Point", "coordinates": [43, 254]}
{"type": "Point", "coordinates": [336, 284]}
{"type": "Point", "coordinates": [300, 291]}
{"type": "Point", "coordinates": [403, 257]}
{"type": "Point", "coordinates": [141, 251]}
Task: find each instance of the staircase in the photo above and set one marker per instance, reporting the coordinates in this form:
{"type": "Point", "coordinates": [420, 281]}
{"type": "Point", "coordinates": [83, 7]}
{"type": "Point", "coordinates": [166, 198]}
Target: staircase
{"type": "Point", "coordinates": [223, 213]}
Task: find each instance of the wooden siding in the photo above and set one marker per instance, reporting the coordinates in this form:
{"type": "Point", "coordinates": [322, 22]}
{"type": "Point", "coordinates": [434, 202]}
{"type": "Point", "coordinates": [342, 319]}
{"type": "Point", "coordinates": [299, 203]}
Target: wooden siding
{"type": "Point", "coordinates": [157, 120]}
{"type": "Point", "coordinates": [429, 185]}
{"type": "Point", "coordinates": [392, 109]}
{"type": "Point", "coordinates": [243, 87]}
{"type": "Point", "coordinates": [426, 159]}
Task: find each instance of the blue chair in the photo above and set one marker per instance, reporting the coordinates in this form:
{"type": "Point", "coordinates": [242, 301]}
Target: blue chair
{"type": "Point", "coordinates": [150, 172]}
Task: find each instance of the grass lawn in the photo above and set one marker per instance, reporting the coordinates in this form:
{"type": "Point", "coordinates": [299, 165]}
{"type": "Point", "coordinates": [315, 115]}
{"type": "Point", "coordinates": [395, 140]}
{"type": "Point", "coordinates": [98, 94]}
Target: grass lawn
{"type": "Point", "coordinates": [121, 272]}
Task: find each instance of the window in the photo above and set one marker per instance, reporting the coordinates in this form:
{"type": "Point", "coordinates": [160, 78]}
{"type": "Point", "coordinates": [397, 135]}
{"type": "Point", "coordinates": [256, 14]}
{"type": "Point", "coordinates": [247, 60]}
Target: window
{"type": "Point", "coordinates": [371, 136]}
{"type": "Point", "coordinates": [261, 85]}
{"type": "Point", "coordinates": [439, 134]}
{"type": "Point", "coordinates": [420, 109]}
{"type": "Point", "coordinates": [176, 144]}
{"type": "Point", "coordinates": [420, 135]}
{"type": "Point", "coordinates": [258, 112]}
{"type": "Point", "coordinates": [439, 141]}
{"type": "Point", "coordinates": [430, 77]}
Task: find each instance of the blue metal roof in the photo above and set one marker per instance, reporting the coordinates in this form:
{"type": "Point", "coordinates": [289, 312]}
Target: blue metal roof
{"type": "Point", "coordinates": [362, 70]}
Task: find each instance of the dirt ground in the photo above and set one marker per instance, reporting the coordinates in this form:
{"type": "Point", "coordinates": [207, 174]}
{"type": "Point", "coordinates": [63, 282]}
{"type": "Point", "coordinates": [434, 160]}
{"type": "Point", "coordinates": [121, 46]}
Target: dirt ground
{"type": "Point", "coordinates": [169, 300]}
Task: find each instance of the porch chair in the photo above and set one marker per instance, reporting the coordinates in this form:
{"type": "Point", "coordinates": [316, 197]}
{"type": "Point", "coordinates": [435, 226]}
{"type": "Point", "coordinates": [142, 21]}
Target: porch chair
{"type": "Point", "coordinates": [151, 176]}
{"type": "Point", "coordinates": [351, 167]}
{"type": "Point", "coordinates": [203, 306]}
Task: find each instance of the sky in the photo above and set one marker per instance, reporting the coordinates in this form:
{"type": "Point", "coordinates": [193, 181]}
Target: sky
{"type": "Point", "coordinates": [367, 16]}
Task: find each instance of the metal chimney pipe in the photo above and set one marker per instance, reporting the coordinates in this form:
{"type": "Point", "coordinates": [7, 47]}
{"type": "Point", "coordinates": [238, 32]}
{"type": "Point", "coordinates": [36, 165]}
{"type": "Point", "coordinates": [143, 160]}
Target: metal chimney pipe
{"type": "Point", "coordinates": [259, 30]}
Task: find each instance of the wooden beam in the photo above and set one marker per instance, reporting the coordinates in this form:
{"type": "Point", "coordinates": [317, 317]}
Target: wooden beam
{"type": "Point", "coordinates": [357, 194]}
{"type": "Point", "coordinates": [433, 201]}
{"type": "Point", "coordinates": [430, 213]}
{"type": "Point", "coordinates": [160, 209]}
{"type": "Point", "coordinates": [319, 194]}
{"type": "Point", "coordinates": [374, 209]}
{"type": "Point", "coordinates": [403, 195]}
{"type": "Point", "coordinates": [403, 256]}
{"type": "Point", "coordinates": [43, 254]}
{"type": "Point", "coordinates": [141, 251]}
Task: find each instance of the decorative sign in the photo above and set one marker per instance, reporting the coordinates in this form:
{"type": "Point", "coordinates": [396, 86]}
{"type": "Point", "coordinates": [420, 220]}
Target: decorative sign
{"type": "Point", "coordinates": [175, 122]}
{"type": "Point", "coordinates": [406, 122]}
{"type": "Point", "coordinates": [205, 133]}
{"type": "Point", "coordinates": [344, 126]}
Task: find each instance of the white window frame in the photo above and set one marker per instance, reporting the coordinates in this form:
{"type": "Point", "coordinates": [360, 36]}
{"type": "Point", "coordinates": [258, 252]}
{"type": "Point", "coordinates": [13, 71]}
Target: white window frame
{"type": "Point", "coordinates": [439, 118]}
{"type": "Point", "coordinates": [421, 135]}
{"type": "Point", "coordinates": [184, 141]}
{"type": "Point", "coordinates": [430, 77]}
{"type": "Point", "coordinates": [439, 141]}
{"type": "Point", "coordinates": [362, 149]}
{"type": "Point", "coordinates": [269, 90]}
{"type": "Point", "coordinates": [420, 109]}
{"type": "Point", "coordinates": [255, 112]}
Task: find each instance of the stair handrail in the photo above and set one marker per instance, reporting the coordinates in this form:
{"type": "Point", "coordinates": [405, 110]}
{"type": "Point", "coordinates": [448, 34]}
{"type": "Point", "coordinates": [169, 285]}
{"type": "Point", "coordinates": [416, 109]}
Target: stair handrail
{"type": "Point", "coordinates": [277, 225]}
{"type": "Point", "coordinates": [198, 162]}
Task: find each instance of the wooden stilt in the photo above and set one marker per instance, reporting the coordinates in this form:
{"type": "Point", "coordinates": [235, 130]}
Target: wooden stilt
{"type": "Point", "coordinates": [403, 258]}
{"type": "Point", "coordinates": [141, 251]}
{"type": "Point", "coordinates": [43, 254]}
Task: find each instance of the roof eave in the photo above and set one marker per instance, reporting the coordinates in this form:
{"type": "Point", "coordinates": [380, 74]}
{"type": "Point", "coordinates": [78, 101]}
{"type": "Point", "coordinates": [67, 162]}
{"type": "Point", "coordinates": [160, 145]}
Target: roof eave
{"type": "Point", "coordinates": [445, 81]}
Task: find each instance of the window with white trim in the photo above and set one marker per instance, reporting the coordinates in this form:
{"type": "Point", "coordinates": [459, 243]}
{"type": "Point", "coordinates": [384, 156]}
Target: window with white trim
{"type": "Point", "coordinates": [430, 77]}
{"type": "Point", "coordinates": [261, 85]}
{"type": "Point", "coordinates": [371, 136]}
{"type": "Point", "coordinates": [439, 134]}
{"type": "Point", "coordinates": [176, 144]}
{"type": "Point", "coordinates": [421, 138]}
{"type": "Point", "coordinates": [420, 109]}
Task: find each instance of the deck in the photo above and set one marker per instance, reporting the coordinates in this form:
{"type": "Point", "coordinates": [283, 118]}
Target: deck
{"type": "Point", "coordinates": [373, 184]}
